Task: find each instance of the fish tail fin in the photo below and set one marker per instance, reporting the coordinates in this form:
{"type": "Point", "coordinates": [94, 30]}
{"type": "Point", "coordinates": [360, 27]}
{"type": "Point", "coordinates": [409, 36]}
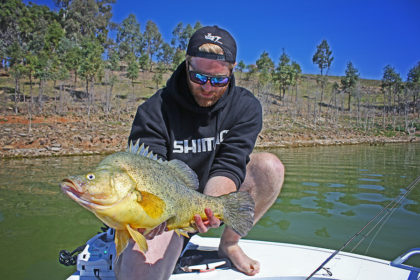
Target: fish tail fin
{"type": "Point", "coordinates": [238, 211]}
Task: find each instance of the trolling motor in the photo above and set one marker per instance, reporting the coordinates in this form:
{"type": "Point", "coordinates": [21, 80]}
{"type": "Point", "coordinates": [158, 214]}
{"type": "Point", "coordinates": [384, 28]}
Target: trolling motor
{"type": "Point", "coordinates": [96, 259]}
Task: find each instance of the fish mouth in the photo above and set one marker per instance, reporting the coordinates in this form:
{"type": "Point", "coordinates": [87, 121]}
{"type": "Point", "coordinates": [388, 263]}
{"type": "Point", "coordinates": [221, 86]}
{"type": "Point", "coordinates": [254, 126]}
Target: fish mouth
{"type": "Point", "coordinates": [73, 191]}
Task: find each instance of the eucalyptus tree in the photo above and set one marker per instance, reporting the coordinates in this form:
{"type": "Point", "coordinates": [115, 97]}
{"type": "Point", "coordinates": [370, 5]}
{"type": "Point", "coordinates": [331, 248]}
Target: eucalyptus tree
{"type": "Point", "coordinates": [265, 68]}
{"type": "Point", "coordinates": [144, 62]}
{"type": "Point", "coordinates": [91, 66]}
{"type": "Point", "coordinates": [25, 33]}
{"type": "Point", "coordinates": [152, 39]}
{"type": "Point", "coordinates": [17, 68]}
{"type": "Point", "coordinates": [335, 91]}
{"type": "Point", "coordinates": [111, 66]}
{"type": "Point", "coordinates": [46, 32]}
{"type": "Point", "coordinates": [72, 55]}
{"type": "Point", "coordinates": [252, 70]}
{"type": "Point", "coordinates": [158, 75]}
{"type": "Point", "coordinates": [86, 24]}
{"type": "Point", "coordinates": [391, 85]}
{"type": "Point", "coordinates": [57, 66]}
{"type": "Point", "coordinates": [177, 39]}
{"type": "Point", "coordinates": [413, 85]}
{"type": "Point", "coordinates": [165, 55]}
{"type": "Point", "coordinates": [178, 57]}
{"type": "Point", "coordinates": [197, 26]}
{"type": "Point", "coordinates": [86, 18]}
{"type": "Point", "coordinates": [296, 74]}
{"type": "Point", "coordinates": [181, 35]}
{"type": "Point", "coordinates": [14, 41]}
{"type": "Point", "coordinates": [241, 66]}
{"type": "Point", "coordinates": [42, 35]}
{"type": "Point", "coordinates": [349, 81]}
{"type": "Point", "coordinates": [132, 74]}
{"type": "Point", "coordinates": [11, 14]}
{"type": "Point", "coordinates": [133, 70]}
{"type": "Point", "coordinates": [323, 58]}
{"type": "Point", "coordinates": [284, 73]}
{"type": "Point", "coordinates": [186, 35]}
{"type": "Point", "coordinates": [129, 38]}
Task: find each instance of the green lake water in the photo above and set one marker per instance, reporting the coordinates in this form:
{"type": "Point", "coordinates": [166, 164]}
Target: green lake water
{"type": "Point", "coordinates": [329, 194]}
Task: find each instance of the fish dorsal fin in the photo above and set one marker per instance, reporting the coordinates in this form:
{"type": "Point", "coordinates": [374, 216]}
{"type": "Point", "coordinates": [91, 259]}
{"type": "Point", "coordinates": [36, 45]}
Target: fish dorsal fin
{"type": "Point", "coordinates": [185, 173]}
{"type": "Point", "coordinates": [141, 150]}
{"type": "Point", "coordinates": [181, 169]}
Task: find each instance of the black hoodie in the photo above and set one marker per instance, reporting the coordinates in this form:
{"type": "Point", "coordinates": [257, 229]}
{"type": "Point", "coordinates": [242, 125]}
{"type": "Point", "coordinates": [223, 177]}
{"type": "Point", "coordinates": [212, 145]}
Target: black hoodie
{"type": "Point", "coordinates": [213, 141]}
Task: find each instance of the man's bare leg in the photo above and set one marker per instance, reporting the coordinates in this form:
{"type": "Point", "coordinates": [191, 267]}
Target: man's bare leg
{"type": "Point", "coordinates": [264, 180]}
{"type": "Point", "coordinates": [158, 262]}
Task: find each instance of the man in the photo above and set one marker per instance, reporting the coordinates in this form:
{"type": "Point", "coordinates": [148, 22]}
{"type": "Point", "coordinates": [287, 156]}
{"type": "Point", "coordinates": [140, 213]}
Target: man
{"type": "Point", "coordinates": [202, 118]}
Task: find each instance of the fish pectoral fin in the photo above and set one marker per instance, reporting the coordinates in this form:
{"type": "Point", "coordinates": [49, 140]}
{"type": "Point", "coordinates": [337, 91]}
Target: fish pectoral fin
{"type": "Point", "coordinates": [139, 196]}
{"type": "Point", "coordinates": [121, 240]}
{"type": "Point", "coordinates": [138, 238]}
{"type": "Point", "coordinates": [152, 205]}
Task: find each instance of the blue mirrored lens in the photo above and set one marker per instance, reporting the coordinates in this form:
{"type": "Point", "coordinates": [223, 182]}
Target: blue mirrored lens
{"type": "Point", "coordinates": [214, 81]}
{"type": "Point", "coordinates": [219, 80]}
{"type": "Point", "coordinates": [201, 78]}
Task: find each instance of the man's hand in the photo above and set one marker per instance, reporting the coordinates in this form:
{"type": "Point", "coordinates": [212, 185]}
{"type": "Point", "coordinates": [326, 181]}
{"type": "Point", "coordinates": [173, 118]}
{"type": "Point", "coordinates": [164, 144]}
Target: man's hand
{"type": "Point", "coordinates": [211, 222]}
{"type": "Point", "coordinates": [154, 232]}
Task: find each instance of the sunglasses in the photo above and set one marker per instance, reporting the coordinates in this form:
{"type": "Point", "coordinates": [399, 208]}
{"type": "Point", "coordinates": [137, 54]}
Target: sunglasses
{"type": "Point", "coordinates": [200, 78]}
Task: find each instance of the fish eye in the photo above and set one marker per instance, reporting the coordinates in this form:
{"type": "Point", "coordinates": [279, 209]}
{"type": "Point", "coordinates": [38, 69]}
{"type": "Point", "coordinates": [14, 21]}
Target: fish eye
{"type": "Point", "coordinates": [90, 176]}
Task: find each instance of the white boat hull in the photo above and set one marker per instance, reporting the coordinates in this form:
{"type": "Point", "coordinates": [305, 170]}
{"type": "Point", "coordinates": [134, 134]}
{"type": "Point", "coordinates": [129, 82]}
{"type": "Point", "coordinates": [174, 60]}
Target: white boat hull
{"type": "Point", "coordinates": [279, 261]}
{"type": "Point", "coordinates": [289, 261]}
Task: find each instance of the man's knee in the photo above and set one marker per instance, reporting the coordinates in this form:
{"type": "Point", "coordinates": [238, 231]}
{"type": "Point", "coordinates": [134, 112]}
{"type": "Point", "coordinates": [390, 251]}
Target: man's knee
{"type": "Point", "coordinates": [267, 171]}
{"type": "Point", "coordinates": [268, 164]}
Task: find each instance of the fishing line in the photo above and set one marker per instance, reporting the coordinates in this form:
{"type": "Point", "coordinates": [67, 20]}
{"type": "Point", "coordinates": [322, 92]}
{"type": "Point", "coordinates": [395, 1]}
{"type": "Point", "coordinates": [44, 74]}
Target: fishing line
{"type": "Point", "coordinates": [387, 215]}
{"type": "Point", "coordinates": [389, 210]}
{"type": "Point", "coordinates": [385, 219]}
{"type": "Point", "coordinates": [377, 232]}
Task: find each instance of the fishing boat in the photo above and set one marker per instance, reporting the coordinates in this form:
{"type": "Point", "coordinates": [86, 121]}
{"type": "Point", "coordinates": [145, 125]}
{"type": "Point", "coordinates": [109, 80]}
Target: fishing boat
{"type": "Point", "coordinates": [280, 261]}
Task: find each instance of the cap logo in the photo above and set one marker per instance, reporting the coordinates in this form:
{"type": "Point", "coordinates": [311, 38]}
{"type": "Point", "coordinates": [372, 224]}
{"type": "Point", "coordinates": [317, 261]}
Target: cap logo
{"type": "Point", "coordinates": [215, 39]}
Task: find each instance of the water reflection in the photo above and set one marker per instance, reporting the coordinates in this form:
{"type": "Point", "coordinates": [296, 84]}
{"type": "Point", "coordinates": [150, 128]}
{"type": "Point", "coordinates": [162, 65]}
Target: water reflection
{"type": "Point", "coordinates": [331, 192]}
{"type": "Point", "coordinates": [356, 174]}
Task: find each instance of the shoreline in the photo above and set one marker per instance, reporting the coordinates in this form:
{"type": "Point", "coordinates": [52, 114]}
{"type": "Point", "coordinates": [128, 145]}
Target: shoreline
{"type": "Point", "coordinates": [56, 151]}
{"type": "Point", "coordinates": [56, 136]}
{"type": "Point", "coordinates": [41, 152]}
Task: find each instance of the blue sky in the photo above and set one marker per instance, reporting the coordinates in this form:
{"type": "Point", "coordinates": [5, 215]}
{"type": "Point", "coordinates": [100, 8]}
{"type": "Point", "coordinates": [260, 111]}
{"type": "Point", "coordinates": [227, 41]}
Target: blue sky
{"type": "Point", "coordinates": [370, 33]}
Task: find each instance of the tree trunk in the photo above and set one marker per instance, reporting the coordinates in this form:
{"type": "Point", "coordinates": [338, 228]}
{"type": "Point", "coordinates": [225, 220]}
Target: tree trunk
{"type": "Point", "coordinates": [16, 95]}
{"type": "Point", "coordinates": [40, 94]}
{"type": "Point", "coordinates": [348, 106]}
{"type": "Point", "coordinates": [55, 96]}
{"type": "Point", "coordinates": [31, 103]}
{"type": "Point", "coordinates": [61, 99]}
{"type": "Point", "coordinates": [88, 100]}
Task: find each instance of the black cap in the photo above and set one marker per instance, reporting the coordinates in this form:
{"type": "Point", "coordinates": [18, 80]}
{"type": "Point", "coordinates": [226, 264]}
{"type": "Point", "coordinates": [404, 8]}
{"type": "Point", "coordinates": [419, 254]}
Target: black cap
{"type": "Point", "coordinates": [213, 35]}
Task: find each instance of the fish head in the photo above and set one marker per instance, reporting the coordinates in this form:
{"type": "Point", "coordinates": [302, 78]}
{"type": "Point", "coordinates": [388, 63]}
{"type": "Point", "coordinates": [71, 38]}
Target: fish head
{"type": "Point", "coordinates": [101, 188]}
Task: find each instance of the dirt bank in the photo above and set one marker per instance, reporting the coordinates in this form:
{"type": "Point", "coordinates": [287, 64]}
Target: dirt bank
{"type": "Point", "coordinates": [58, 136]}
